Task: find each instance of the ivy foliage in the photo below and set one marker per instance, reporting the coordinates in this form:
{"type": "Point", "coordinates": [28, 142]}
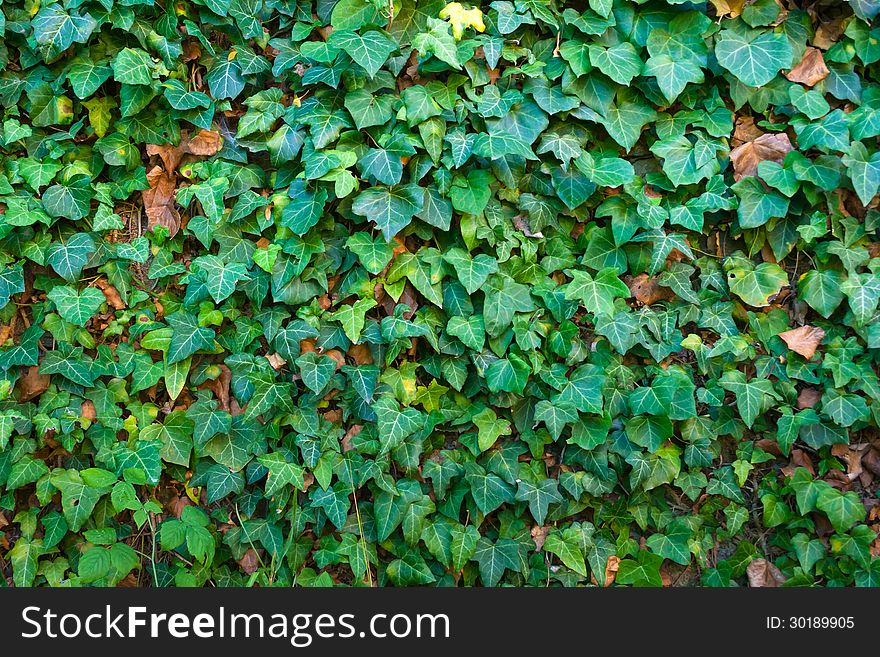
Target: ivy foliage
{"type": "Point", "coordinates": [521, 292]}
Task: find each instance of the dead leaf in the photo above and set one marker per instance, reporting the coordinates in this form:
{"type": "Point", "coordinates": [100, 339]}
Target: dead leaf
{"type": "Point", "coordinates": [808, 397]}
{"type": "Point", "coordinates": [521, 223]}
{"type": "Point", "coordinates": [828, 32]}
{"type": "Point", "coordinates": [220, 388]}
{"type": "Point", "coordinates": [159, 200]}
{"type": "Point", "coordinates": [87, 410]}
{"type": "Point", "coordinates": [810, 70]}
{"type": "Point", "coordinates": [110, 293]}
{"type": "Point", "coordinates": [353, 431]}
{"type": "Point", "coordinates": [731, 8]}
{"type": "Point", "coordinates": [871, 461]}
{"type": "Point", "coordinates": [744, 130]}
{"type": "Point", "coordinates": [336, 355]}
{"type": "Point", "coordinates": [191, 50]}
{"type": "Point", "coordinates": [773, 146]}
{"type": "Point", "coordinates": [763, 574]}
{"type": "Point", "coordinates": [205, 143]}
{"type": "Point", "coordinates": [852, 456]}
{"type": "Point", "coordinates": [361, 354]}
{"type": "Point", "coordinates": [539, 535]}
{"type": "Point", "coordinates": [803, 340]}
{"type": "Point", "coordinates": [276, 361]}
{"type": "Point", "coordinates": [130, 581]}
{"type": "Point", "coordinates": [32, 384]}
{"type": "Point", "coordinates": [611, 570]}
{"type": "Point", "coordinates": [249, 561]}
{"type": "Point", "coordinates": [647, 290]}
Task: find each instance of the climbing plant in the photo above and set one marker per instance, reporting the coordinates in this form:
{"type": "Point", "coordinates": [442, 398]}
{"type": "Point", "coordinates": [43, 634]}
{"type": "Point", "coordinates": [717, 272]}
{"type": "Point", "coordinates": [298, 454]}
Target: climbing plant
{"type": "Point", "coordinates": [373, 292]}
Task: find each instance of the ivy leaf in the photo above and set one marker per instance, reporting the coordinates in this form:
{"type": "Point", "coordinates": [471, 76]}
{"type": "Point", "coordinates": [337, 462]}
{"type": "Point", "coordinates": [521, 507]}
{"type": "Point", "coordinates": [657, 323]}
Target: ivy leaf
{"type": "Point", "coordinates": [495, 558]}
{"type": "Point", "coordinates": [55, 30]}
{"type": "Point", "coordinates": [842, 509]}
{"type": "Point", "coordinates": [75, 307]}
{"type": "Point", "coordinates": [753, 397]}
{"type": "Point", "coordinates": [11, 282]}
{"type": "Point", "coordinates": [395, 424]}
{"type": "Point", "coordinates": [620, 62]}
{"type": "Point", "coordinates": [368, 49]}
{"type": "Point", "coordinates": [864, 171]}
{"type": "Point", "coordinates": [757, 286]}
{"type": "Point", "coordinates": [180, 98]}
{"type": "Point", "coordinates": [822, 290]}
{"type": "Point", "coordinates": [281, 473]}
{"type": "Point", "coordinates": [490, 428]}
{"type": "Point", "coordinates": [68, 258]}
{"type": "Point", "coordinates": [187, 337]}
{"type": "Point", "coordinates": [390, 208]}
{"type": "Point", "coordinates": [539, 496]}
{"type": "Point", "coordinates": [133, 66]}
{"type": "Point", "coordinates": [71, 199]}
{"type": "Point", "coordinates": [220, 277]}
{"type": "Point", "coordinates": [78, 499]}
{"type": "Point", "coordinates": [439, 42]}
{"type": "Point", "coordinates": [757, 204]}
{"type": "Point", "coordinates": [225, 80]}
{"type": "Point", "coordinates": [472, 271]}
{"type": "Point", "coordinates": [596, 294]}
{"type": "Point", "coordinates": [316, 370]}
{"type": "Point", "coordinates": [673, 75]}
{"type": "Point", "coordinates": [176, 435]}
{"type": "Point", "coordinates": [753, 56]}
{"type": "Point", "coordinates": [470, 330]}
{"type": "Point", "coordinates": [352, 317]}
{"type": "Point", "coordinates": [373, 254]}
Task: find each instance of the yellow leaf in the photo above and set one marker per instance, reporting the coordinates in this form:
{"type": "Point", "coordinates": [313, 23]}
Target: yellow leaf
{"type": "Point", "coordinates": [193, 494]}
{"type": "Point", "coordinates": [731, 8]}
{"type": "Point", "coordinates": [461, 19]}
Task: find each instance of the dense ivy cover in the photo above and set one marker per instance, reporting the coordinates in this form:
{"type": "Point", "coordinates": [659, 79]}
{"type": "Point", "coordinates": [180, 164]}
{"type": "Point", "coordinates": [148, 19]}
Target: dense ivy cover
{"type": "Point", "coordinates": [531, 292]}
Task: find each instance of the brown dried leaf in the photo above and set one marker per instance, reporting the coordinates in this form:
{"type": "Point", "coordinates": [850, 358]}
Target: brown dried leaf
{"type": "Point", "coordinates": [611, 570]}
{"type": "Point", "coordinates": [276, 361]}
{"type": "Point", "coordinates": [852, 456]}
{"type": "Point", "coordinates": [871, 461]}
{"type": "Point", "coordinates": [647, 290]}
{"type": "Point", "coordinates": [803, 340]}
{"type": "Point", "coordinates": [249, 561]}
{"type": "Point", "coordinates": [828, 32]}
{"type": "Point", "coordinates": [110, 293]}
{"type": "Point", "coordinates": [810, 70]}
{"type": "Point", "coordinates": [361, 354]}
{"type": "Point", "coordinates": [353, 431]}
{"type": "Point", "coordinates": [744, 130]}
{"type": "Point", "coordinates": [87, 410]}
{"type": "Point", "coordinates": [159, 200]}
{"type": "Point", "coordinates": [337, 356]}
{"type": "Point", "coordinates": [168, 153]}
{"type": "Point", "coordinates": [521, 223]}
{"type": "Point", "coordinates": [745, 158]}
{"type": "Point", "coordinates": [539, 535]}
{"type": "Point", "coordinates": [32, 384]}
{"type": "Point", "coordinates": [205, 143]}
{"type": "Point", "coordinates": [808, 397]}
{"type": "Point", "coordinates": [763, 574]}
